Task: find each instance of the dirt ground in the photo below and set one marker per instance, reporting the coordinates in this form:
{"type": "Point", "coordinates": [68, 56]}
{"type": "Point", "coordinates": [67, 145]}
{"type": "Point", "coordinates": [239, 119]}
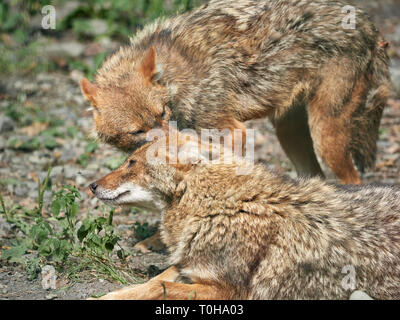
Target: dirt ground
{"type": "Point", "coordinates": [58, 95]}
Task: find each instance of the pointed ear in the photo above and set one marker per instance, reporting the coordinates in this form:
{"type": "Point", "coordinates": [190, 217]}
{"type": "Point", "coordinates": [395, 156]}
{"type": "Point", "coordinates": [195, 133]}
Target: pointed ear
{"type": "Point", "coordinates": [149, 68]}
{"type": "Point", "coordinates": [89, 90]}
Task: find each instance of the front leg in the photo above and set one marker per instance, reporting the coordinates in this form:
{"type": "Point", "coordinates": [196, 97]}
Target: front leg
{"type": "Point", "coordinates": [171, 274]}
{"type": "Point", "coordinates": [166, 290]}
{"type": "Point", "coordinates": [163, 287]}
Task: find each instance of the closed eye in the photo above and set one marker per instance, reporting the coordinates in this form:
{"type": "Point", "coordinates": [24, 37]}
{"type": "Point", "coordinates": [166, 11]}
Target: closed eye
{"type": "Point", "coordinates": [135, 133]}
{"type": "Point", "coordinates": [131, 163]}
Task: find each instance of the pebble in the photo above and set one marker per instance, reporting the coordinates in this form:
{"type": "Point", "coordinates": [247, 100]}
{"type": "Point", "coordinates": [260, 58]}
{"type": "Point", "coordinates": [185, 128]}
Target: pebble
{"type": "Point", "coordinates": [3, 143]}
{"type": "Point", "coordinates": [6, 124]}
{"type": "Point", "coordinates": [76, 76]}
{"type": "Point", "coordinates": [5, 228]}
{"type": "Point", "coordinates": [21, 190]}
{"type": "Point", "coordinates": [360, 295]}
{"type": "Point", "coordinates": [395, 74]}
{"type": "Point", "coordinates": [94, 202]}
{"type": "Point", "coordinates": [97, 27]}
{"type": "Point", "coordinates": [57, 171]}
{"type": "Point", "coordinates": [80, 181]}
{"type": "Point", "coordinates": [71, 49]}
{"type": "Point", "coordinates": [51, 296]}
{"type": "Point", "coordinates": [70, 172]}
{"type": "Point", "coordinates": [68, 155]}
{"type": "Point", "coordinates": [93, 166]}
{"type": "Point", "coordinates": [49, 277]}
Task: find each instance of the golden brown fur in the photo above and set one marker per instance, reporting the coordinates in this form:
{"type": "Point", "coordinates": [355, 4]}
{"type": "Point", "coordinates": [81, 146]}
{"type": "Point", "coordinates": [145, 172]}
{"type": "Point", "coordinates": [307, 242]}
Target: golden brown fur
{"type": "Point", "coordinates": [261, 235]}
{"type": "Point", "coordinates": [232, 61]}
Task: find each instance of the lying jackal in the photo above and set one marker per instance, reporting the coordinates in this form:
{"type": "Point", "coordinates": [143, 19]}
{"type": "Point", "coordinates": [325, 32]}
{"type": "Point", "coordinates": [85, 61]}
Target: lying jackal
{"type": "Point", "coordinates": [262, 235]}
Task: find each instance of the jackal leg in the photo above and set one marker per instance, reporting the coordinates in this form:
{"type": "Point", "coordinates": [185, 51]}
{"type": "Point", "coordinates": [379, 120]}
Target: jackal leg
{"type": "Point", "coordinates": [294, 136]}
{"type": "Point", "coordinates": [334, 148]}
{"type": "Point", "coordinates": [163, 287]}
{"type": "Point", "coordinates": [330, 118]}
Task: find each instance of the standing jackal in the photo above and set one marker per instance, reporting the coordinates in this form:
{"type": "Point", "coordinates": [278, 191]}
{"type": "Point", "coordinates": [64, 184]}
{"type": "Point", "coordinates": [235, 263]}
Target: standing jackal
{"type": "Point", "coordinates": [323, 86]}
{"type": "Point", "coordinates": [261, 235]}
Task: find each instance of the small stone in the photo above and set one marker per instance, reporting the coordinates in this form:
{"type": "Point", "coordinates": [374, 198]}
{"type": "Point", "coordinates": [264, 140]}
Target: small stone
{"type": "Point", "coordinates": [65, 9]}
{"type": "Point", "coordinates": [6, 124]}
{"type": "Point", "coordinates": [21, 190]}
{"type": "Point", "coordinates": [96, 27]}
{"type": "Point", "coordinates": [3, 143]}
{"type": "Point", "coordinates": [57, 171]}
{"type": "Point", "coordinates": [45, 86]}
{"type": "Point", "coordinates": [93, 166]}
{"type": "Point", "coordinates": [94, 202]}
{"type": "Point", "coordinates": [51, 296]}
{"type": "Point", "coordinates": [360, 295]}
{"type": "Point", "coordinates": [76, 76]}
{"type": "Point", "coordinates": [68, 155]}
{"type": "Point", "coordinates": [93, 49]}
{"type": "Point", "coordinates": [70, 49]}
{"type": "Point", "coordinates": [395, 75]}
{"type": "Point", "coordinates": [70, 172]}
{"type": "Point", "coordinates": [80, 181]}
{"type": "Point", "coordinates": [49, 278]}
{"type": "Point", "coordinates": [5, 228]}
{"type": "Point", "coordinates": [30, 87]}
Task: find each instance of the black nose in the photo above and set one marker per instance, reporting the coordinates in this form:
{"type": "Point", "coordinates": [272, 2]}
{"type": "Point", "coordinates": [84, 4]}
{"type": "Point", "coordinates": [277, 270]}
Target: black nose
{"type": "Point", "coordinates": [93, 186]}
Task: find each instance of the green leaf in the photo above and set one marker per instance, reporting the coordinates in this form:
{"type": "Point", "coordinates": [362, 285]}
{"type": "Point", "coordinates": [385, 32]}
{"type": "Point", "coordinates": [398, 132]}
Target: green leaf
{"type": "Point", "coordinates": [50, 143]}
{"type": "Point", "coordinates": [54, 244]}
{"type": "Point", "coordinates": [120, 254]}
{"type": "Point", "coordinates": [74, 209]}
{"type": "Point", "coordinates": [56, 207]}
{"type": "Point", "coordinates": [65, 246]}
{"type": "Point", "coordinates": [94, 240]}
{"type": "Point", "coordinates": [96, 296]}
{"type": "Point", "coordinates": [110, 242]}
{"type": "Point", "coordinates": [45, 248]}
{"type": "Point", "coordinates": [32, 268]}
{"type": "Point", "coordinates": [110, 217]}
{"type": "Point", "coordinates": [83, 230]}
{"type": "Point", "coordinates": [91, 147]}
{"type": "Point", "coordinates": [39, 232]}
{"type": "Point", "coordinates": [14, 254]}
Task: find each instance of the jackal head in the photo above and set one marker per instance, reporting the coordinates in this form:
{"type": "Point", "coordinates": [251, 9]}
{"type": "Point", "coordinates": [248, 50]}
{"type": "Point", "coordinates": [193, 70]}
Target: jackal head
{"type": "Point", "coordinates": [127, 99]}
{"type": "Point", "coordinates": [150, 176]}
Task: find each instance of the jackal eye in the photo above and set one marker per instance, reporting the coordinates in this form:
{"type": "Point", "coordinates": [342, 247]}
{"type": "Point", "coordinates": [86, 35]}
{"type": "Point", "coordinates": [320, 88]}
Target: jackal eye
{"type": "Point", "coordinates": [163, 114]}
{"type": "Point", "coordinates": [131, 163]}
{"type": "Point", "coordinates": [135, 133]}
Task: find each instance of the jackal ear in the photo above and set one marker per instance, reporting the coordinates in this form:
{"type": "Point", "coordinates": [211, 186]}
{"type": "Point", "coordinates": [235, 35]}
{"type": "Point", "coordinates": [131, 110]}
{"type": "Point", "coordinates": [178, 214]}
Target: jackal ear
{"type": "Point", "coordinates": [89, 90]}
{"type": "Point", "coordinates": [149, 68]}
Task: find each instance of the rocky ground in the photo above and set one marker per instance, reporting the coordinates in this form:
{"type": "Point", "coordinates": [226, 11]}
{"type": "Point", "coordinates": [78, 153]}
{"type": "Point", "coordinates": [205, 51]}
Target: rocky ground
{"type": "Point", "coordinates": [52, 103]}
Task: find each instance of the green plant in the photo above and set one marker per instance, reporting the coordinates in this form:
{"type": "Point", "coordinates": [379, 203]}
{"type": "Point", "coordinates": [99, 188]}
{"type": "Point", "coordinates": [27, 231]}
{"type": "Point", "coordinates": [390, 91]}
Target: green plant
{"type": "Point", "coordinates": [91, 146]}
{"type": "Point", "coordinates": [58, 238]}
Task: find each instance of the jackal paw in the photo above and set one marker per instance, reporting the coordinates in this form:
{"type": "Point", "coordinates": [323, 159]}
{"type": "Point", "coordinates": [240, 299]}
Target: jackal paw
{"type": "Point", "coordinates": [153, 243]}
